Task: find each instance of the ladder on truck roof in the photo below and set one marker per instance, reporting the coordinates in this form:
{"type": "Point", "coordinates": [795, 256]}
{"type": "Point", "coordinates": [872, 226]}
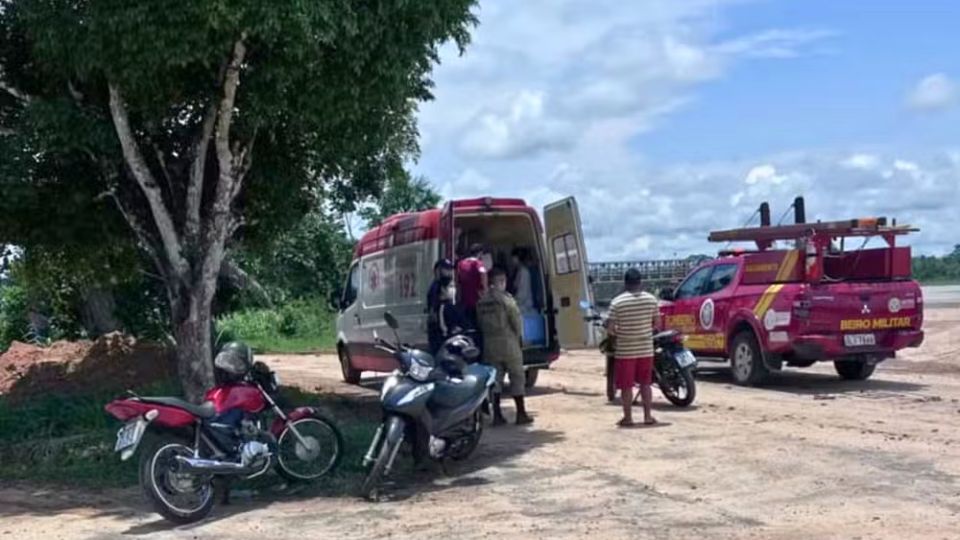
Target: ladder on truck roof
{"type": "Point", "coordinates": [765, 235]}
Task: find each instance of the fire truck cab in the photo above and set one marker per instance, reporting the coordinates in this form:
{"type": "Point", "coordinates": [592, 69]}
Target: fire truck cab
{"type": "Point", "coordinates": [807, 301]}
{"type": "Point", "coordinates": [392, 270]}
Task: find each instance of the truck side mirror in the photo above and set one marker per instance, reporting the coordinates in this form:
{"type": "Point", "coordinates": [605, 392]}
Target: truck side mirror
{"type": "Point", "coordinates": [336, 299]}
{"type": "Point", "coordinates": [666, 293]}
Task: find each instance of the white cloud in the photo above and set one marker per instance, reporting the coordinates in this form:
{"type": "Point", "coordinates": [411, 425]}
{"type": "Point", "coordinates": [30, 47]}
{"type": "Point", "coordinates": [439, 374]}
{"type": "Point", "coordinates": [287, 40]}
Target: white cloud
{"type": "Point", "coordinates": [545, 77]}
{"type": "Point", "coordinates": [520, 128]}
{"type": "Point", "coordinates": [932, 93]}
{"type": "Point", "coordinates": [864, 162]}
{"type": "Point", "coordinates": [551, 95]}
{"type": "Point", "coordinates": [764, 173]}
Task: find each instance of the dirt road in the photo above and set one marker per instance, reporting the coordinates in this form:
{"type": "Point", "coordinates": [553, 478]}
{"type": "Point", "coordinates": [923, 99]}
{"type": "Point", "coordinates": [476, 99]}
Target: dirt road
{"type": "Point", "coordinates": [807, 456]}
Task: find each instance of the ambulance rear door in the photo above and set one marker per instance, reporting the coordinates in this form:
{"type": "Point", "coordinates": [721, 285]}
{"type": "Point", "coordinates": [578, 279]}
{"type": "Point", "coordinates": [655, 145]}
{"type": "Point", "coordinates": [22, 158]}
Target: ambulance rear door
{"type": "Point", "coordinates": [569, 281]}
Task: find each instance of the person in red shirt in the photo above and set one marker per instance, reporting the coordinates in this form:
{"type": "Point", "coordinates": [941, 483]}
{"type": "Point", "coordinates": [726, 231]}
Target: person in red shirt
{"type": "Point", "coordinates": [471, 281]}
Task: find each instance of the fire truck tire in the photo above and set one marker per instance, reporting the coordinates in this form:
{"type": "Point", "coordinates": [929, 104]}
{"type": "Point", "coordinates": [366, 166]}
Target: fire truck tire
{"type": "Point", "coordinates": [350, 375]}
{"type": "Point", "coordinates": [746, 360]}
{"type": "Point", "coordinates": [854, 370]}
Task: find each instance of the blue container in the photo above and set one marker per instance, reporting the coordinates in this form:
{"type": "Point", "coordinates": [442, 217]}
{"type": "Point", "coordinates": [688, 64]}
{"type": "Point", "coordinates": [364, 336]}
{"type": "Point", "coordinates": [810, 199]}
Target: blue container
{"type": "Point", "coordinates": [534, 330]}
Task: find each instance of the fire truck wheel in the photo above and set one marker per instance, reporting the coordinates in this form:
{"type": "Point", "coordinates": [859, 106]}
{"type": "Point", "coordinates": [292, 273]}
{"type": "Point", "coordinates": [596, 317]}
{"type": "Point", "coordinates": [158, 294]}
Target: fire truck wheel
{"type": "Point", "coordinates": [854, 370]}
{"type": "Point", "coordinates": [746, 362]}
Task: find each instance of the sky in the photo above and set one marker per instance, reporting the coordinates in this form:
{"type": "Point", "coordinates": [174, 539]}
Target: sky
{"type": "Point", "coordinates": [670, 118]}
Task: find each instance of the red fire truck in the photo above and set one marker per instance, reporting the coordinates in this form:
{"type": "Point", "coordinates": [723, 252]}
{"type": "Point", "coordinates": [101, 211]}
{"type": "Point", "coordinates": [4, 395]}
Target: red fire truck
{"type": "Point", "coordinates": [810, 300]}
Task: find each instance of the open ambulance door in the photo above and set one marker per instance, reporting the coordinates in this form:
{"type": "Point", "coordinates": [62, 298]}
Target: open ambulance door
{"type": "Point", "coordinates": [569, 281]}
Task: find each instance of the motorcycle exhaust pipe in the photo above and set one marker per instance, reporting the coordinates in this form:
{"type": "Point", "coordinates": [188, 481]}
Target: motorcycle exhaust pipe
{"type": "Point", "coordinates": [211, 466]}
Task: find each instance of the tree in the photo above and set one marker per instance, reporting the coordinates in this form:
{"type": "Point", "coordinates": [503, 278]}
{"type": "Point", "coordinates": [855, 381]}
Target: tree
{"type": "Point", "coordinates": [402, 193]}
{"type": "Point", "coordinates": [159, 108]}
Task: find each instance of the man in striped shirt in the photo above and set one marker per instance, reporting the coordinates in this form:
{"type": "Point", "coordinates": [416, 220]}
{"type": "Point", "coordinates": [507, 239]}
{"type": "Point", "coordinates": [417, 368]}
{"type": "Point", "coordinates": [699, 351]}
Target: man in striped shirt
{"type": "Point", "coordinates": [633, 316]}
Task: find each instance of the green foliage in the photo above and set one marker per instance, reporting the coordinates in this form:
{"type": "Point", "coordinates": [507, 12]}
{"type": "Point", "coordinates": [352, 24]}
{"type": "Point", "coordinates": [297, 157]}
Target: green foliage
{"type": "Point", "coordinates": [938, 269]}
{"type": "Point", "coordinates": [65, 439]}
{"type": "Point", "coordinates": [308, 261]}
{"type": "Point", "coordinates": [13, 314]}
{"type": "Point", "coordinates": [299, 326]}
{"type": "Point", "coordinates": [402, 193]}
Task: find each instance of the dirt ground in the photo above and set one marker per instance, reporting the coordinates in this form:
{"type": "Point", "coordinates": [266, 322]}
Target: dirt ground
{"type": "Point", "coordinates": [807, 456]}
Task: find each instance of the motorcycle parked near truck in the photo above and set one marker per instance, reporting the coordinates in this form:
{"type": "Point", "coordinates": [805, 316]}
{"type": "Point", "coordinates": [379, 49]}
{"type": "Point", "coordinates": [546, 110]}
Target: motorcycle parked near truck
{"type": "Point", "coordinates": [440, 400]}
{"type": "Point", "coordinates": [240, 431]}
{"type": "Point", "coordinates": [673, 363]}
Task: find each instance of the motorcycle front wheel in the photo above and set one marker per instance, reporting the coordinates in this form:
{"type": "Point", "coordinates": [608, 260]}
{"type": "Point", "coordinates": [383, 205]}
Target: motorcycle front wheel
{"type": "Point", "coordinates": [177, 496]}
{"type": "Point", "coordinates": [678, 386]}
{"type": "Point", "coordinates": [312, 455]}
{"type": "Point", "coordinates": [390, 443]}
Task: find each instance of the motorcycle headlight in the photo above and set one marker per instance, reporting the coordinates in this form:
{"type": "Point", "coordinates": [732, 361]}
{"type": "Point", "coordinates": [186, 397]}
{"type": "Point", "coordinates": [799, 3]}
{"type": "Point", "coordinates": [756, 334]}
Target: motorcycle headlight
{"type": "Point", "coordinates": [419, 372]}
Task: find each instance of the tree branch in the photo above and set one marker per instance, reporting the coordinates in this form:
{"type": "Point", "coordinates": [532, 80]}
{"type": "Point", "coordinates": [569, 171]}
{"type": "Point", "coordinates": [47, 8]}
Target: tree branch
{"type": "Point", "coordinates": [240, 279]}
{"type": "Point", "coordinates": [15, 92]}
{"type": "Point", "coordinates": [141, 172]}
{"type": "Point", "coordinates": [195, 185]}
{"type": "Point", "coordinates": [228, 181]}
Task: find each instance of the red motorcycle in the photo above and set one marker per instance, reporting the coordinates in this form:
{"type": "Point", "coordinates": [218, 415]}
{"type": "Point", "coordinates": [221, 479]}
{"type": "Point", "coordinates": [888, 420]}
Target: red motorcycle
{"type": "Point", "coordinates": [225, 437]}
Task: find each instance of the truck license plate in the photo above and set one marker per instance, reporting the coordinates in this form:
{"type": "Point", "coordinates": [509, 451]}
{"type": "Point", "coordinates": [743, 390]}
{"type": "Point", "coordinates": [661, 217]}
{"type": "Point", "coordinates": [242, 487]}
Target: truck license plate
{"type": "Point", "coordinates": [686, 359]}
{"type": "Point", "coordinates": [129, 435]}
{"type": "Point", "coordinates": [859, 340]}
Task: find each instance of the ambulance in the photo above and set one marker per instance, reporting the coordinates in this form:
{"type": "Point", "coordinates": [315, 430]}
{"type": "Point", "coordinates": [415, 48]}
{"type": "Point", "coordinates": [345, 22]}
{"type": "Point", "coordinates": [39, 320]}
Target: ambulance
{"type": "Point", "coordinates": [392, 270]}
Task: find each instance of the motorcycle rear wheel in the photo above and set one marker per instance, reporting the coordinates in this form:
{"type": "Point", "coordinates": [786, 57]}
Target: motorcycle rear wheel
{"type": "Point", "coordinates": [164, 487]}
{"type": "Point", "coordinates": [461, 453]}
{"type": "Point", "coordinates": [681, 390]}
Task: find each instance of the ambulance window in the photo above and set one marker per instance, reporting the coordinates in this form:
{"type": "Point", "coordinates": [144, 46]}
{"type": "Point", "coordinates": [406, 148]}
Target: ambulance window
{"type": "Point", "coordinates": [694, 284]}
{"type": "Point", "coordinates": [353, 286]}
{"type": "Point", "coordinates": [721, 278]}
{"type": "Point", "coordinates": [566, 256]}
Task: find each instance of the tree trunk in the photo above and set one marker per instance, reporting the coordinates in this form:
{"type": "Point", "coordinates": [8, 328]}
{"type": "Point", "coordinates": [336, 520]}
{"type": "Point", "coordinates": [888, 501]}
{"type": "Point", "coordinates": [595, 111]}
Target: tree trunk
{"type": "Point", "coordinates": [194, 355]}
{"type": "Point", "coordinates": [98, 312]}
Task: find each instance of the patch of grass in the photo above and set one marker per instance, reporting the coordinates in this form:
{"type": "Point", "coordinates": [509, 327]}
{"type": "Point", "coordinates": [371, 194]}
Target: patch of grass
{"type": "Point", "coordinates": [65, 440]}
{"type": "Point", "coordinates": [69, 441]}
{"type": "Point", "coordinates": [302, 326]}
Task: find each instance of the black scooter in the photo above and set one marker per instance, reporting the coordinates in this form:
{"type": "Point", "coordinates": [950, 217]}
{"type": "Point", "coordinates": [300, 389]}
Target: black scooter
{"type": "Point", "coordinates": [421, 400]}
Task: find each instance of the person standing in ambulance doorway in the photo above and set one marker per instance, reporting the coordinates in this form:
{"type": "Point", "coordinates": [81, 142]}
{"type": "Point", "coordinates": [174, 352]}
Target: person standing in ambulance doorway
{"type": "Point", "coordinates": [633, 316]}
{"type": "Point", "coordinates": [445, 320]}
{"type": "Point", "coordinates": [471, 281]}
{"type": "Point", "coordinates": [502, 328]}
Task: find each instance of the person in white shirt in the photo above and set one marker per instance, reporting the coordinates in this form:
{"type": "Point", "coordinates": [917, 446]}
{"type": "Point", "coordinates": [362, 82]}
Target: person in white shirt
{"type": "Point", "coordinates": [522, 282]}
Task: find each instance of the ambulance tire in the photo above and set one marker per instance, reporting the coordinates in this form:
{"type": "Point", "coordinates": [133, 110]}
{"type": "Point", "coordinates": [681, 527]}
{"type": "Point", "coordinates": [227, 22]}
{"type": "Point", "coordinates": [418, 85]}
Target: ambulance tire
{"type": "Point", "coordinates": [746, 360]}
{"type": "Point", "coordinates": [854, 370]}
{"type": "Point", "coordinates": [530, 380]}
{"type": "Point", "coordinates": [350, 375]}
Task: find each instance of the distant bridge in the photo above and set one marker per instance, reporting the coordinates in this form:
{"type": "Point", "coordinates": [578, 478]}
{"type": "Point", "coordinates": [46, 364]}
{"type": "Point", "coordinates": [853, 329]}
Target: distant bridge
{"type": "Point", "coordinates": [607, 277]}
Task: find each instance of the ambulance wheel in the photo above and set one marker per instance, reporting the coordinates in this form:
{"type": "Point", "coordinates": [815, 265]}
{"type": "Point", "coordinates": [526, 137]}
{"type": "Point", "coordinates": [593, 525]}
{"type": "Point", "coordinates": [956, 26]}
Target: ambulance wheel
{"type": "Point", "coordinates": [350, 375]}
{"type": "Point", "coordinates": [531, 378]}
{"type": "Point", "coordinates": [746, 361]}
{"type": "Point", "coordinates": [854, 370]}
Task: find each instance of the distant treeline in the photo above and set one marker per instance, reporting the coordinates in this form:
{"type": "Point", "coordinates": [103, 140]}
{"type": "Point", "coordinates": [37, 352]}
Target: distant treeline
{"type": "Point", "coordinates": [938, 269]}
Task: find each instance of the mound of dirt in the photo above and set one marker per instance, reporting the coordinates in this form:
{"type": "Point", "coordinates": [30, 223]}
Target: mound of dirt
{"type": "Point", "coordinates": [113, 362]}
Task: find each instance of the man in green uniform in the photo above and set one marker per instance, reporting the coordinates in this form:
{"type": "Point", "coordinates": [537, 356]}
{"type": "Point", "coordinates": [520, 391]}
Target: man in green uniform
{"type": "Point", "coordinates": [499, 320]}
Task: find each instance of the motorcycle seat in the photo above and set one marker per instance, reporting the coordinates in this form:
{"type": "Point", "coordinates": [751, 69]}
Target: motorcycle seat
{"type": "Point", "coordinates": [205, 410]}
{"type": "Point", "coordinates": [456, 393]}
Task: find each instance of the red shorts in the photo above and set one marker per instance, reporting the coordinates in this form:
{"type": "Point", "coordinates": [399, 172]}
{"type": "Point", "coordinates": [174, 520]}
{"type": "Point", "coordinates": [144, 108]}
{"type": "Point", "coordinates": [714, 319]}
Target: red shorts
{"type": "Point", "coordinates": [632, 371]}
